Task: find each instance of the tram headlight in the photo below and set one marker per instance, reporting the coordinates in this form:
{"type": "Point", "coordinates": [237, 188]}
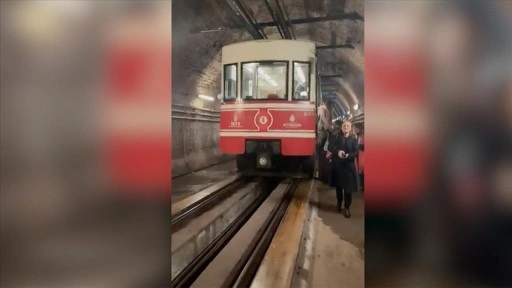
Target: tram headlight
{"type": "Point", "coordinates": [263, 161]}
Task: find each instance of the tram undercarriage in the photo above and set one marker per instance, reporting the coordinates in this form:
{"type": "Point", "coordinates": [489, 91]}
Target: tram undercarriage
{"type": "Point", "coordinates": [264, 158]}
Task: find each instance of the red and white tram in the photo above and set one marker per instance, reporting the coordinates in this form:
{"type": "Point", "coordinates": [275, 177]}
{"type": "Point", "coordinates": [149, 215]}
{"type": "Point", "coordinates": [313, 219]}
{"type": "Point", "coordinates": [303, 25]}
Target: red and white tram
{"type": "Point", "coordinates": [268, 112]}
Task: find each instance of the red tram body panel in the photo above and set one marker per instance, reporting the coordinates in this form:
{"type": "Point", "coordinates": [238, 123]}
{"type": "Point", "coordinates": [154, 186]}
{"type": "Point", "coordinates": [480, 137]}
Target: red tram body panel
{"type": "Point", "coordinates": [293, 123]}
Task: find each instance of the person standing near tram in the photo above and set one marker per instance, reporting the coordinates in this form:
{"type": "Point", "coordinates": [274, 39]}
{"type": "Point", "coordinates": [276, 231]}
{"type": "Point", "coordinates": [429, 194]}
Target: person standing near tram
{"type": "Point", "coordinates": [345, 149]}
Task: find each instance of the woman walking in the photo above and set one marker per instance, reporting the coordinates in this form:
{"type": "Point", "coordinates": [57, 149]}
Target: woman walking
{"type": "Point", "coordinates": [344, 149]}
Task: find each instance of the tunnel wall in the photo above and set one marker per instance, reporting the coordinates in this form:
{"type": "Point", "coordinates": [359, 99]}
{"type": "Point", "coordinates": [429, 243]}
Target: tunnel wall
{"type": "Point", "coordinates": [197, 66]}
{"type": "Point", "coordinates": [195, 145]}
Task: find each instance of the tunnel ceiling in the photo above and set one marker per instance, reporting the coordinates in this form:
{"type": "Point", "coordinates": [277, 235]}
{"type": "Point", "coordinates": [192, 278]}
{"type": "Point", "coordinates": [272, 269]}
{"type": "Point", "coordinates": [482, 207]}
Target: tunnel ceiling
{"type": "Point", "coordinates": [202, 27]}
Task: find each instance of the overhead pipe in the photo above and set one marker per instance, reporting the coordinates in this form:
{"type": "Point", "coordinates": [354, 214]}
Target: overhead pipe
{"type": "Point", "coordinates": [273, 14]}
{"type": "Point", "coordinates": [241, 11]}
{"type": "Point", "coordinates": [182, 107]}
{"type": "Point", "coordinates": [289, 20]}
{"type": "Point", "coordinates": [277, 14]}
{"type": "Point", "coordinates": [203, 119]}
{"type": "Point", "coordinates": [345, 16]}
{"type": "Point", "coordinates": [282, 20]}
{"type": "Point", "coordinates": [354, 16]}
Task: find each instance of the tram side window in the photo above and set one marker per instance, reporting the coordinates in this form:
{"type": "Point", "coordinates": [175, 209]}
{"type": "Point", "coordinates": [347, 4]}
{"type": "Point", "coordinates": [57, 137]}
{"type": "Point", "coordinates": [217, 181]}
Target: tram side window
{"type": "Point", "coordinates": [264, 80]}
{"type": "Point", "coordinates": [230, 77]}
{"type": "Point", "coordinates": [301, 81]}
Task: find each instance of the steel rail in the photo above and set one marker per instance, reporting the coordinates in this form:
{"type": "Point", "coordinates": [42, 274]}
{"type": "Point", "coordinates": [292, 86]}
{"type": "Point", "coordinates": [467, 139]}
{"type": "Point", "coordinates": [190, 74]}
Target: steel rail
{"type": "Point", "coordinates": [192, 271]}
{"type": "Point", "coordinates": [252, 260]}
{"type": "Point", "coordinates": [180, 218]}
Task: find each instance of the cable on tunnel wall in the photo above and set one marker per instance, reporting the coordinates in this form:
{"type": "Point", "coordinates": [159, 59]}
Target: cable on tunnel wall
{"type": "Point", "coordinates": [195, 119]}
{"type": "Point", "coordinates": [194, 114]}
{"type": "Point", "coordinates": [188, 107]}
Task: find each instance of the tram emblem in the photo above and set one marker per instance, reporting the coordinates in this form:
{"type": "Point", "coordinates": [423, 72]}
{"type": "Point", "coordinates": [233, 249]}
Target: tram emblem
{"type": "Point", "coordinates": [292, 123]}
{"type": "Point", "coordinates": [263, 120]}
{"type": "Point", "coordinates": [235, 123]}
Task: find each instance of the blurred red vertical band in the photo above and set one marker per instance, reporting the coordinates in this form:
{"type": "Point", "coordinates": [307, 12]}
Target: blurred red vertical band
{"type": "Point", "coordinates": [138, 101]}
{"type": "Point", "coordinates": [396, 145]}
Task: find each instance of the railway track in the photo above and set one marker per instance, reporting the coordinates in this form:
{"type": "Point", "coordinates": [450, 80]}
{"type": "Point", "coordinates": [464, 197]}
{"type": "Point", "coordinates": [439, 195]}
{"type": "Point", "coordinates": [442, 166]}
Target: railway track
{"type": "Point", "coordinates": [251, 262]}
{"type": "Point", "coordinates": [204, 200]}
{"type": "Point", "coordinates": [230, 256]}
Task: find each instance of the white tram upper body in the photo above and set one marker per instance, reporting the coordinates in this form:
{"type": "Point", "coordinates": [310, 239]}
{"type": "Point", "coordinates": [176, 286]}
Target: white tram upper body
{"type": "Point", "coordinates": [268, 113]}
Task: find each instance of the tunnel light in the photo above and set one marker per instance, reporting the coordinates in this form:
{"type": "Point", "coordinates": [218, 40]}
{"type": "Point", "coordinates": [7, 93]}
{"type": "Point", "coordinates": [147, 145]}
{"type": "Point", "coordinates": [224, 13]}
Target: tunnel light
{"type": "Point", "coordinates": [356, 107]}
{"type": "Point", "coordinates": [206, 97]}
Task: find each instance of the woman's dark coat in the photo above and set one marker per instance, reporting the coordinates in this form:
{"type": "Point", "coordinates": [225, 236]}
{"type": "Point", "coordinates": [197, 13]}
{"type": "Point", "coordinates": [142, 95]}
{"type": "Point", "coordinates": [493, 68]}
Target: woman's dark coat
{"type": "Point", "coordinates": [343, 172]}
